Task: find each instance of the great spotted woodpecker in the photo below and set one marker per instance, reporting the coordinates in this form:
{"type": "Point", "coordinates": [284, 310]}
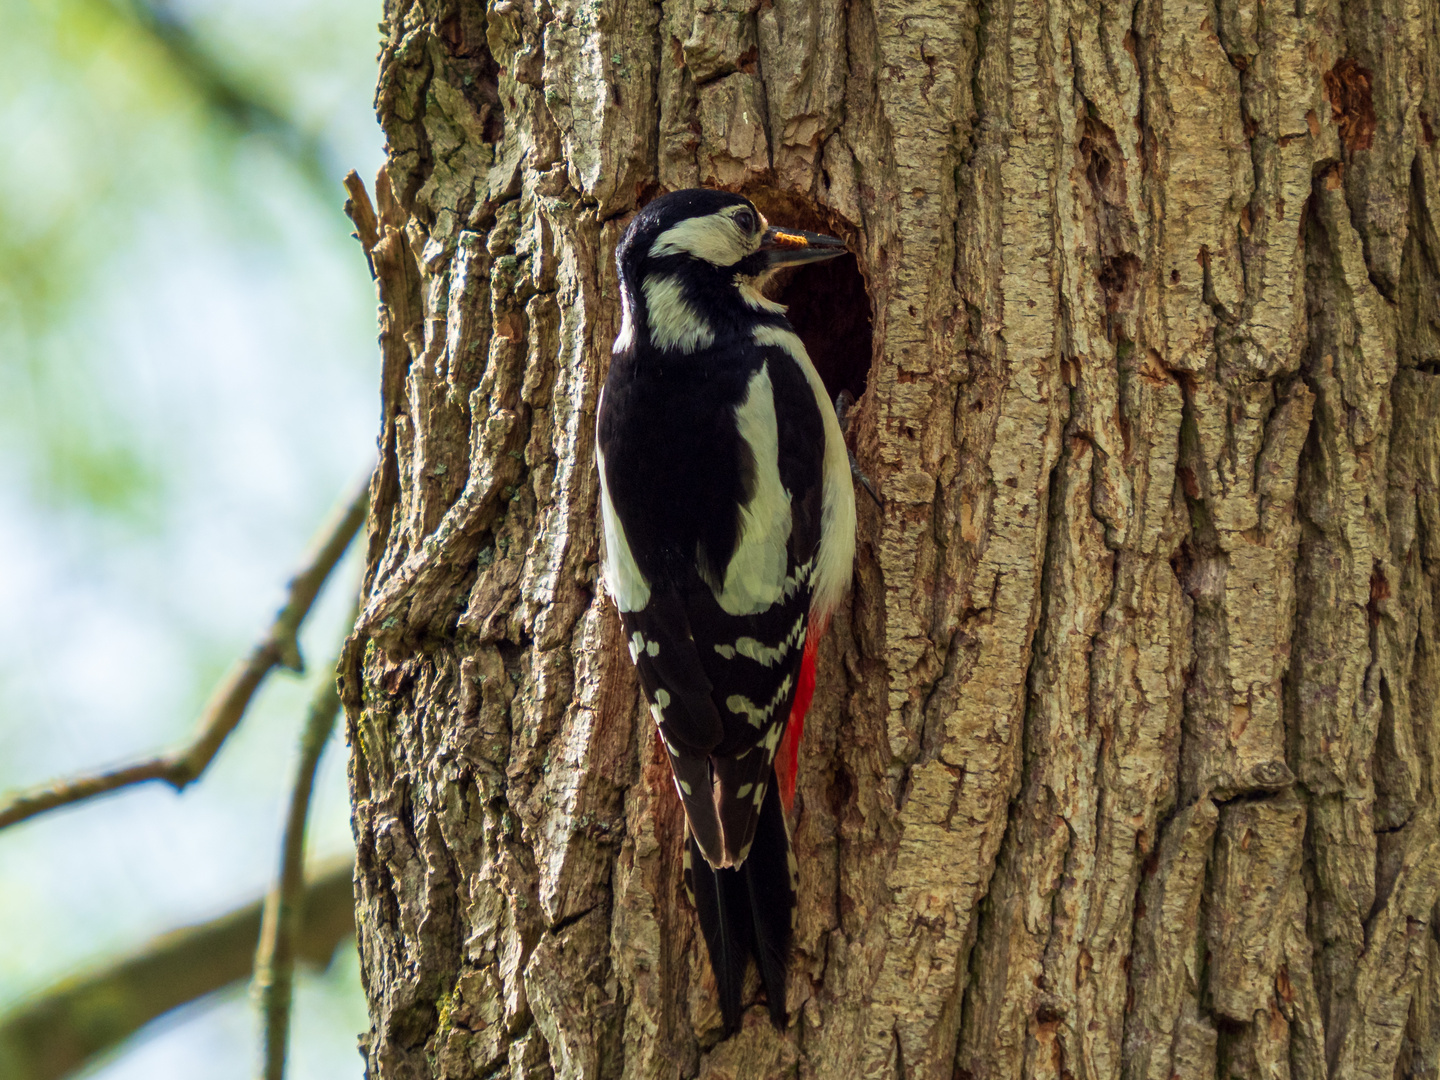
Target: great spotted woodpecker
{"type": "Point", "coordinates": [729, 521]}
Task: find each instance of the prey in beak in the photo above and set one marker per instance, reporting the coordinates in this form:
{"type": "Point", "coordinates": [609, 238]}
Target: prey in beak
{"type": "Point", "coordinates": [781, 247]}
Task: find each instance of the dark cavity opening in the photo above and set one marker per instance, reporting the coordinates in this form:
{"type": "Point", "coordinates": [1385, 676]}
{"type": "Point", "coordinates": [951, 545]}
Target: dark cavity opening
{"type": "Point", "coordinates": [830, 310]}
{"type": "Point", "coordinates": [828, 303]}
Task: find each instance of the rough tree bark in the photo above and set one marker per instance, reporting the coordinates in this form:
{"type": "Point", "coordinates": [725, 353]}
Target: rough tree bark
{"type": "Point", "coordinates": [1123, 762]}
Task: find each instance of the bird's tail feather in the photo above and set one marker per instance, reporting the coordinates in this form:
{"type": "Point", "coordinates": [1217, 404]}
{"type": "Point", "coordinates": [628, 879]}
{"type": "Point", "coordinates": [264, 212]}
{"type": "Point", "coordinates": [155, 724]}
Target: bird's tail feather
{"type": "Point", "coordinates": [772, 880]}
{"type": "Point", "coordinates": [749, 911]}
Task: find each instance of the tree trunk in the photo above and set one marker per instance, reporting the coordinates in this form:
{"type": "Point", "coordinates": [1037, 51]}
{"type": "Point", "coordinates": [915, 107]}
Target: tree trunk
{"type": "Point", "coordinates": [1122, 762]}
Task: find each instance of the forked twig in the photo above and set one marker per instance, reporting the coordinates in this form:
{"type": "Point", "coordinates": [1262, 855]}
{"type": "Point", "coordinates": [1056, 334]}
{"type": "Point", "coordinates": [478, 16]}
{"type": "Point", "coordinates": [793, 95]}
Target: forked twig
{"type": "Point", "coordinates": [227, 704]}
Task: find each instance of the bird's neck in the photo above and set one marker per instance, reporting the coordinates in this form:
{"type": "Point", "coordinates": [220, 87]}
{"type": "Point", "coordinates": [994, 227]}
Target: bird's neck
{"type": "Point", "coordinates": [686, 310]}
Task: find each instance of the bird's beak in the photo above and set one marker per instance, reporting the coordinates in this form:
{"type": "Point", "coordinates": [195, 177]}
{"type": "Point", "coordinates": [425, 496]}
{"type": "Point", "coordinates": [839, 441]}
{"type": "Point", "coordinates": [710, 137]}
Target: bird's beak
{"type": "Point", "coordinates": [790, 247]}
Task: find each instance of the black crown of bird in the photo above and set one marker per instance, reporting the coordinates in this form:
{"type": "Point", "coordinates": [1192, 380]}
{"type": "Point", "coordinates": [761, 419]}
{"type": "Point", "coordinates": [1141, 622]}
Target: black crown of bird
{"type": "Point", "coordinates": [729, 521]}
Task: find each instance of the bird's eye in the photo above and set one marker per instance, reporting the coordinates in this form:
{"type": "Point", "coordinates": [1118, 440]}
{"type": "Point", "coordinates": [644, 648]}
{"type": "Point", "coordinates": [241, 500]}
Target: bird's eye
{"type": "Point", "coordinates": [746, 220]}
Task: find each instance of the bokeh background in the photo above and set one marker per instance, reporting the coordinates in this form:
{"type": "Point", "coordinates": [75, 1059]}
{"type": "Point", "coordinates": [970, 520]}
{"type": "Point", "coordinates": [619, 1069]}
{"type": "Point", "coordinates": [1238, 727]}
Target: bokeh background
{"type": "Point", "coordinates": [188, 387]}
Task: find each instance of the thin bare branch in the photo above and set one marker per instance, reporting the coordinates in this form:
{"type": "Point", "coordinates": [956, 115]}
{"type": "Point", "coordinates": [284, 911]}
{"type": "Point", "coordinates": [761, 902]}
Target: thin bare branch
{"type": "Point", "coordinates": [58, 1032]}
{"type": "Point", "coordinates": [227, 704]}
{"type": "Point", "coordinates": [275, 955]}
{"type": "Point", "coordinates": [360, 210]}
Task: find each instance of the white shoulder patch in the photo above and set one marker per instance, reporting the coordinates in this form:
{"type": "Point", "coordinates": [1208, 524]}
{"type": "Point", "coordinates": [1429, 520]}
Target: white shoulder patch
{"type": "Point", "coordinates": [623, 578]}
{"type": "Point", "coordinates": [755, 577]}
{"type": "Point", "coordinates": [834, 564]}
{"type": "Point", "coordinates": [674, 323]}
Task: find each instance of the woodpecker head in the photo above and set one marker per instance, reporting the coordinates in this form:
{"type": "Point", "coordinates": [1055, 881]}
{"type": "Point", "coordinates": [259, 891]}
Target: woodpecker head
{"type": "Point", "coordinates": [692, 260]}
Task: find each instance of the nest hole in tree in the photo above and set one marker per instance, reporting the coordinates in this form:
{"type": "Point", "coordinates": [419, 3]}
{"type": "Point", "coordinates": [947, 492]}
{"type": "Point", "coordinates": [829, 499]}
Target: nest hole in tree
{"type": "Point", "coordinates": [830, 310]}
{"type": "Point", "coordinates": [828, 303]}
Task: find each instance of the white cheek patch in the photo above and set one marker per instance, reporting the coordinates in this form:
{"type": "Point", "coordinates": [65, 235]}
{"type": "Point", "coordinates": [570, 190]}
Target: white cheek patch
{"type": "Point", "coordinates": [674, 322]}
{"type": "Point", "coordinates": [622, 576]}
{"type": "Point", "coordinates": [755, 577]}
{"type": "Point", "coordinates": [835, 561]}
{"type": "Point", "coordinates": [715, 238]}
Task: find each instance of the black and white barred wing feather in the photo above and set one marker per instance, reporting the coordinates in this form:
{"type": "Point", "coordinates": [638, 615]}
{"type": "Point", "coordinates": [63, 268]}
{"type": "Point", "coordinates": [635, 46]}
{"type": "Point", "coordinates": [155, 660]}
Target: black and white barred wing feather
{"type": "Point", "coordinates": [718, 638]}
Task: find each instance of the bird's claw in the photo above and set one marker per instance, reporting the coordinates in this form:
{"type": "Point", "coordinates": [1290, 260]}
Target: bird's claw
{"type": "Point", "coordinates": [844, 406]}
